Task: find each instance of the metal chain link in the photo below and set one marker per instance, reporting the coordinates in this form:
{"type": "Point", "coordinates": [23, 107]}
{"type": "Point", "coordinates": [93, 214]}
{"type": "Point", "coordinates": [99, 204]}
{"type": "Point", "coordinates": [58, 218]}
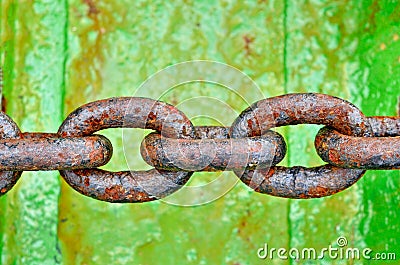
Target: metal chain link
{"type": "Point", "coordinates": [350, 143]}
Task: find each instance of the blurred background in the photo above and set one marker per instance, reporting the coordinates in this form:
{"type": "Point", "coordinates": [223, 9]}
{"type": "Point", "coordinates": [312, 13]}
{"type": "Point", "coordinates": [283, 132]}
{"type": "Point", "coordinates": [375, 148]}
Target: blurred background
{"type": "Point", "coordinates": [58, 55]}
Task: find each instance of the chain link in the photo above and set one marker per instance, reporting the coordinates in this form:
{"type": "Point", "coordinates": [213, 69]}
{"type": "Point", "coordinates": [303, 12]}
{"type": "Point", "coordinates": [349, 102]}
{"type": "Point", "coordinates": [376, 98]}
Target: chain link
{"type": "Point", "coordinates": [127, 186]}
{"type": "Point", "coordinates": [350, 143]}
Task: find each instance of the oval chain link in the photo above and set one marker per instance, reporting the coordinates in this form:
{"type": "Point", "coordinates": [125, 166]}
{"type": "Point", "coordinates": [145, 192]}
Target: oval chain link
{"type": "Point", "coordinates": [126, 186]}
{"type": "Point", "coordinates": [213, 150]}
{"type": "Point", "coordinates": [379, 152]}
{"type": "Point", "coordinates": [350, 143]}
{"type": "Point", "coordinates": [292, 109]}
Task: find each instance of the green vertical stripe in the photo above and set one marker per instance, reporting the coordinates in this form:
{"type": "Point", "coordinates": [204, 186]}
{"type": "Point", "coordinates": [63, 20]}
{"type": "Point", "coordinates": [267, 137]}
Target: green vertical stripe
{"type": "Point", "coordinates": [378, 80]}
{"type": "Point", "coordinates": [8, 10]}
{"type": "Point", "coordinates": [322, 40]}
{"type": "Point", "coordinates": [34, 89]}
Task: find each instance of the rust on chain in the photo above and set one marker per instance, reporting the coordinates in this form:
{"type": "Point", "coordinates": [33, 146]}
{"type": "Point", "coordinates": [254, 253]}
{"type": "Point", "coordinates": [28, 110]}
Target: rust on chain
{"type": "Point", "coordinates": [385, 126]}
{"type": "Point", "coordinates": [302, 183]}
{"type": "Point", "coordinates": [379, 152]}
{"type": "Point", "coordinates": [127, 112]}
{"type": "Point", "coordinates": [126, 186]}
{"type": "Point", "coordinates": [292, 109]}
{"type": "Point", "coordinates": [47, 151]}
{"type": "Point", "coordinates": [213, 150]}
{"type": "Point", "coordinates": [8, 130]}
{"type": "Point", "coordinates": [350, 143]}
{"type": "Point", "coordinates": [211, 132]}
{"type": "Point", "coordinates": [306, 108]}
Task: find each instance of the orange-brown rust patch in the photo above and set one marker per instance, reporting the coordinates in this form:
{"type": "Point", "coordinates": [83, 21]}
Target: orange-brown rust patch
{"type": "Point", "coordinates": [247, 41]}
{"type": "Point", "coordinates": [152, 116]}
{"type": "Point", "coordinates": [114, 192]}
{"type": "Point", "coordinates": [334, 156]}
{"type": "Point", "coordinates": [321, 191]}
{"type": "Point", "coordinates": [93, 10]}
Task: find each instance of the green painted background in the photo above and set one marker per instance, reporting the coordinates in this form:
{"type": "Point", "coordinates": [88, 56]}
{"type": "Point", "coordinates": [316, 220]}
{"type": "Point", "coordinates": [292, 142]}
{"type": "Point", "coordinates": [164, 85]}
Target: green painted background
{"type": "Point", "coordinates": [59, 55]}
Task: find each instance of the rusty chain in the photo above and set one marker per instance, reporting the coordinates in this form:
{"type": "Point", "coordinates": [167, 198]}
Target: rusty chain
{"type": "Point", "coordinates": [350, 143]}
